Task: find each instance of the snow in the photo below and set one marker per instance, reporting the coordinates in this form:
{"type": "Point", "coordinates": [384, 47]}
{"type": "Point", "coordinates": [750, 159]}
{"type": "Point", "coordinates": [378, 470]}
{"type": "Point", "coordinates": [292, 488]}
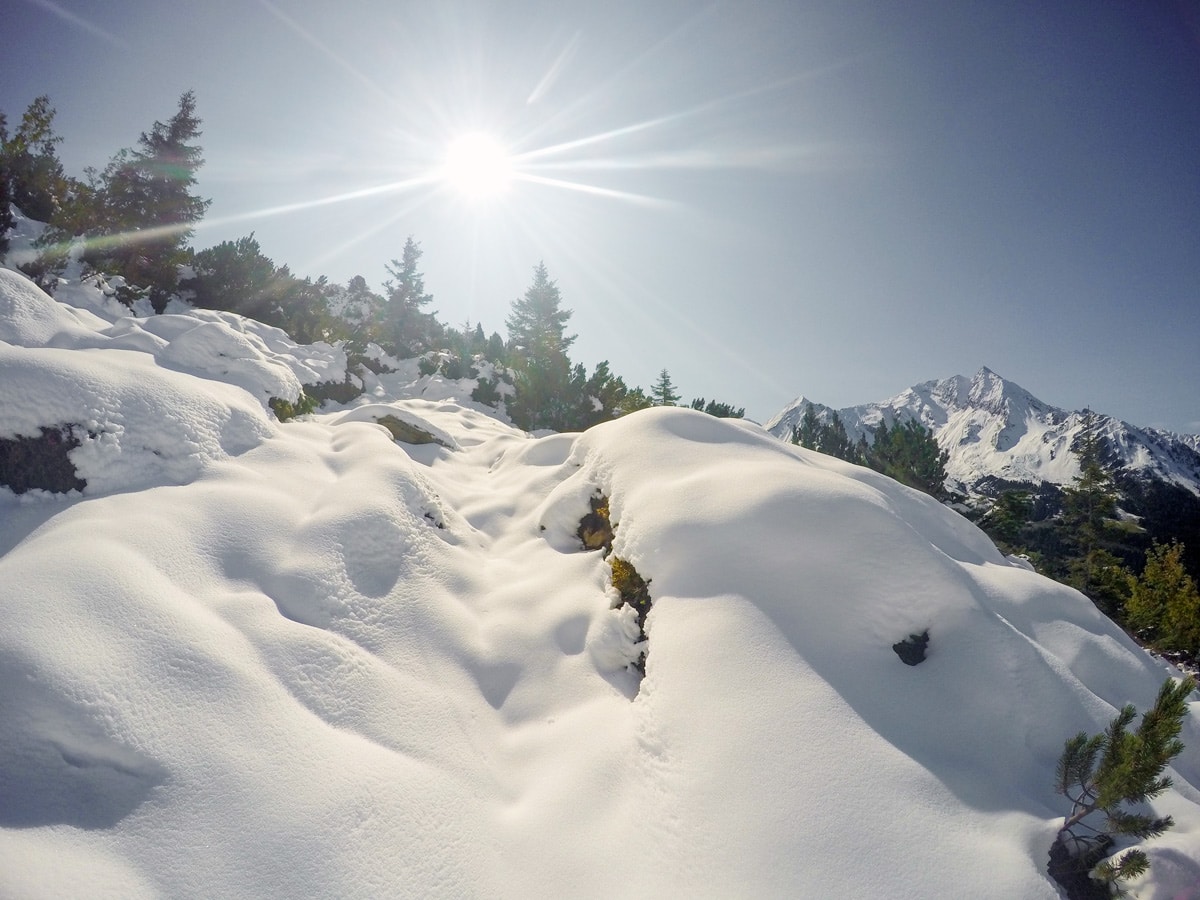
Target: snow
{"type": "Point", "coordinates": [257, 660]}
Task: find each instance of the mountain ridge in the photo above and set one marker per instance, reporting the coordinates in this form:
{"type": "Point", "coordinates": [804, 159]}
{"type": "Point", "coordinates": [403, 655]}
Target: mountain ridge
{"type": "Point", "coordinates": [998, 433]}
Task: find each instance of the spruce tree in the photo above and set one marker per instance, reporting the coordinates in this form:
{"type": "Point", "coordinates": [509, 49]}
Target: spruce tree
{"type": "Point", "coordinates": [6, 217]}
{"type": "Point", "coordinates": [1089, 506]}
{"type": "Point", "coordinates": [808, 432]}
{"type": "Point", "coordinates": [235, 276]}
{"type": "Point", "coordinates": [538, 351]}
{"type": "Point", "coordinates": [404, 329]}
{"type": "Point", "coordinates": [663, 392]}
{"type": "Point", "coordinates": [1164, 602]}
{"type": "Point", "coordinates": [537, 322]}
{"type": "Point", "coordinates": [718, 410]}
{"type": "Point", "coordinates": [149, 205]}
{"type": "Point", "coordinates": [30, 164]}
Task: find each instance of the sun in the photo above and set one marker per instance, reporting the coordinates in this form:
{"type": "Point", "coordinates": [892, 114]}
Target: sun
{"type": "Point", "coordinates": [478, 166]}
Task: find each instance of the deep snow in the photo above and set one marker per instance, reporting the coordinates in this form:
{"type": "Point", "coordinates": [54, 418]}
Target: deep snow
{"type": "Point", "coordinates": [258, 660]}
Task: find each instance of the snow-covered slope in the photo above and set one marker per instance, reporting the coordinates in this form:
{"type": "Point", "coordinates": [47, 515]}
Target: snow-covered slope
{"type": "Point", "coordinates": [319, 663]}
{"type": "Point", "coordinates": [996, 431]}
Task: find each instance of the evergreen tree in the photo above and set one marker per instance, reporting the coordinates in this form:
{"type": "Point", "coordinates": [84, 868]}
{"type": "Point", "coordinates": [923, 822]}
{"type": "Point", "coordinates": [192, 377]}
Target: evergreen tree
{"type": "Point", "coordinates": [1102, 773]}
{"type": "Point", "coordinates": [600, 396]}
{"type": "Point", "coordinates": [30, 166]}
{"type": "Point", "coordinates": [834, 441]}
{"type": "Point", "coordinates": [909, 453]}
{"type": "Point", "coordinates": [537, 322]}
{"type": "Point", "coordinates": [829, 437]}
{"type": "Point", "coordinates": [235, 276]}
{"type": "Point", "coordinates": [1089, 506]}
{"type": "Point", "coordinates": [719, 410]}
{"type": "Point", "coordinates": [1164, 602]}
{"type": "Point", "coordinates": [663, 392]}
{"type": "Point", "coordinates": [538, 348]}
{"type": "Point", "coordinates": [7, 222]}
{"type": "Point", "coordinates": [634, 399]}
{"type": "Point", "coordinates": [807, 433]}
{"type": "Point", "coordinates": [405, 330]}
{"type": "Point", "coordinates": [360, 304]}
{"type": "Point", "coordinates": [1007, 516]}
{"type": "Point", "coordinates": [148, 205]}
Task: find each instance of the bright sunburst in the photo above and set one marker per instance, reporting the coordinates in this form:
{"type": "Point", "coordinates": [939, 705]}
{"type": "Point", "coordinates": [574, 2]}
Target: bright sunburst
{"type": "Point", "coordinates": [478, 166]}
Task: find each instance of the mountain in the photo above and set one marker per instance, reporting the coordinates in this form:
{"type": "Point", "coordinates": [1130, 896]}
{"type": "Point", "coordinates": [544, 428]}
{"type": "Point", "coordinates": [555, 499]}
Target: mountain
{"type": "Point", "coordinates": [998, 434]}
{"type": "Point", "coordinates": [246, 658]}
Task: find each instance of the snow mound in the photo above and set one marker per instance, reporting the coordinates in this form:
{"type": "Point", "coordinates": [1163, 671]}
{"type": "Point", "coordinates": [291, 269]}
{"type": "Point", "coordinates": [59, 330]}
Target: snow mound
{"type": "Point", "coordinates": [31, 318]}
{"type": "Point", "coordinates": [263, 660]}
{"type": "Point", "coordinates": [139, 425]}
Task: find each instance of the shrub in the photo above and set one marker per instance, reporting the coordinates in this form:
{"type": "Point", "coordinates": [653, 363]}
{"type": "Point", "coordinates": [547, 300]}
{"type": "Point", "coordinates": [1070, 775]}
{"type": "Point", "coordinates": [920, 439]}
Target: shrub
{"type": "Point", "coordinates": [1103, 772]}
{"type": "Point", "coordinates": [287, 409]}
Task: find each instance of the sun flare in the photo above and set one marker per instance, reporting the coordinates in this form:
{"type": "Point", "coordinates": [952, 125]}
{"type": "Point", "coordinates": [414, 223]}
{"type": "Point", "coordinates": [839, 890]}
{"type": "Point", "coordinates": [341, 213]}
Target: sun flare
{"type": "Point", "coordinates": [478, 166]}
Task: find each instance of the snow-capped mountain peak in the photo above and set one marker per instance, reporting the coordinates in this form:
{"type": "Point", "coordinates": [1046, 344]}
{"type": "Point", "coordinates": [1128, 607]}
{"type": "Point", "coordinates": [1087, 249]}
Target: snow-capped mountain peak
{"type": "Point", "coordinates": [997, 433]}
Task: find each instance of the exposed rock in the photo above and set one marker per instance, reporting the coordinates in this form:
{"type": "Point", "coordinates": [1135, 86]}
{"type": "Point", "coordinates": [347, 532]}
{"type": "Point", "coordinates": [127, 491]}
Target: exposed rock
{"type": "Point", "coordinates": [40, 463]}
{"type": "Point", "coordinates": [911, 650]}
{"type": "Point", "coordinates": [595, 529]}
{"type": "Point", "coordinates": [407, 433]}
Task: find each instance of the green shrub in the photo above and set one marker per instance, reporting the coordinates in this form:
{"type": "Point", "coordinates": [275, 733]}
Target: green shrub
{"type": "Point", "coordinates": [1104, 772]}
{"type": "Point", "coordinates": [286, 409]}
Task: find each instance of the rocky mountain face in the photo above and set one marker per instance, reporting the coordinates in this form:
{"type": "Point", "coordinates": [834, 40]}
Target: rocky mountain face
{"type": "Point", "coordinates": [999, 435]}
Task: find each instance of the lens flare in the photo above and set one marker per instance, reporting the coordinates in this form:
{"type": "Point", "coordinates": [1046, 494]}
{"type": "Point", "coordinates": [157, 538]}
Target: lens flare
{"type": "Point", "coordinates": [478, 166]}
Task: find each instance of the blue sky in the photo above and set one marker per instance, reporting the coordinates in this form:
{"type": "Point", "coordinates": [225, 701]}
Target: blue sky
{"type": "Point", "coordinates": [836, 199]}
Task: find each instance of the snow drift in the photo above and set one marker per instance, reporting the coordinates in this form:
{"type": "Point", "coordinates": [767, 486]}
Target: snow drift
{"type": "Point", "coordinates": [316, 662]}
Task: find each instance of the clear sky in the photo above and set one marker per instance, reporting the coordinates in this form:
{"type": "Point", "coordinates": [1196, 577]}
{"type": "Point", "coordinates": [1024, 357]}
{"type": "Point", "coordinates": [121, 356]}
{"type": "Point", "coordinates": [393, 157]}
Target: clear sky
{"type": "Point", "coordinates": [830, 198]}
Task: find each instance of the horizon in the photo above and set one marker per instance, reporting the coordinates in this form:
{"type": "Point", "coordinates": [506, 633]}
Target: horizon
{"type": "Point", "coordinates": [768, 201]}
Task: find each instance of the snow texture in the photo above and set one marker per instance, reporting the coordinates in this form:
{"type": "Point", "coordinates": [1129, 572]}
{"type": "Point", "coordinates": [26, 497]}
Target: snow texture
{"type": "Point", "coordinates": [256, 660]}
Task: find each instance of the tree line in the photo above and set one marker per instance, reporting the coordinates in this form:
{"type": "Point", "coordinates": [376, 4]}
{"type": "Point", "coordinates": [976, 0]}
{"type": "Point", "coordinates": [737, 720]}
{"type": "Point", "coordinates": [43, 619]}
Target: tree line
{"type": "Point", "coordinates": [1080, 536]}
{"type": "Point", "coordinates": [906, 452]}
{"type": "Point", "coordinates": [135, 219]}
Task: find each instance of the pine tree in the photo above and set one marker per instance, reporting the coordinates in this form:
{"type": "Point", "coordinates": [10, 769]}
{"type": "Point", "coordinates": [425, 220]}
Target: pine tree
{"type": "Point", "coordinates": [235, 276]}
{"type": "Point", "coordinates": [361, 305]}
{"type": "Point", "coordinates": [405, 330]}
{"type": "Point", "coordinates": [1089, 507]}
{"type": "Point", "coordinates": [807, 433]}
{"type": "Point", "coordinates": [537, 322]}
{"type": "Point", "coordinates": [538, 350]}
{"type": "Point", "coordinates": [600, 397]}
{"type": "Point", "coordinates": [909, 453]}
{"type": "Point", "coordinates": [1007, 516]}
{"type": "Point", "coordinates": [1164, 602]}
{"type": "Point", "coordinates": [149, 208]}
{"type": "Point", "coordinates": [1102, 773]}
{"type": "Point", "coordinates": [30, 164]}
{"type": "Point", "coordinates": [718, 410]}
{"type": "Point", "coordinates": [663, 392]}
{"type": "Point", "coordinates": [7, 222]}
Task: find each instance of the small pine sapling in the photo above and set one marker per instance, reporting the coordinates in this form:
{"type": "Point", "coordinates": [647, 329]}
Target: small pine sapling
{"type": "Point", "coordinates": [1101, 773]}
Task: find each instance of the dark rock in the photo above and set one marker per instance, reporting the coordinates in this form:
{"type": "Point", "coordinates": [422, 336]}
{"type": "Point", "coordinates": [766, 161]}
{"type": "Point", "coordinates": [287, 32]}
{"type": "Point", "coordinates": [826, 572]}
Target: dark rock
{"type": "Point", "coordinates": [33, 463]}
{"type": "Point", "coordinates": [911, 650]}
{"type": "Point", "coordinates": [407, 433]}
{"type": "Point", "coordinates": [595, 528]}
{"type": "Point", "coordinates": [1071, 872]}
